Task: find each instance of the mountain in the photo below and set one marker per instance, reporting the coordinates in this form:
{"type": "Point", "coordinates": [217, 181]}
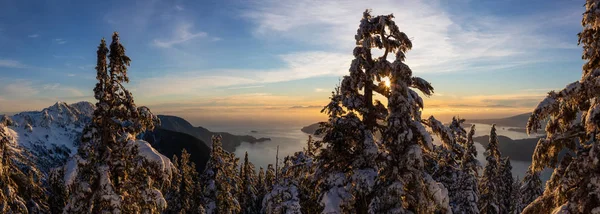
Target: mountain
{"type": "Point", "coordinates": [171, 143]}
{"type": "Point", "coordinates": [310, 129]}
{"type": "Point", "coordinates": [513, 121]}
{"type": "Point", "coordinates": [230, 141]}
{"type": "Point", "coordinates": [520, 149]}
{"type": "Point", "coordinates": [52, 136]}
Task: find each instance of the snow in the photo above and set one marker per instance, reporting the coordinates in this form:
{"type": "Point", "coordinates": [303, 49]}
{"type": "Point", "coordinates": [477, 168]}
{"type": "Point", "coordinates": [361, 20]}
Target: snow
{"type": "Point", "coordinates": [146, 151]}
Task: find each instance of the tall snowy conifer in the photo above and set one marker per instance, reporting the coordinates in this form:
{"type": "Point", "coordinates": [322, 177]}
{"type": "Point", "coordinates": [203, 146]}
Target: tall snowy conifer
{"type": "Point", "coordinates": [219, 181]}
{"type": "Point", "coordinates": [516, 205]}
{"type": "Point", "coordinates": [112, 176]}
{"type": "Point", "coordinates": [488, 185]}
{"type": "Point", "coordinates": [574, 186]}
{"type": "Point", "coordinates": [249, 200]}
{"type": "Point", "coordinates": [505, 185]}
{"type": "Point", "coordinates": [348, 167]}
{"type": "Point", "coordinates": [531, 188]}
{"type": "Point", "coordinates": [180, 197]}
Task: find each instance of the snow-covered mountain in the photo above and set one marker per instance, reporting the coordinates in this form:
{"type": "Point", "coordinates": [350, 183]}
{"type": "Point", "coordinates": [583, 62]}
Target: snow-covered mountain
{"type": "Point", "coordinates": [52, 135]}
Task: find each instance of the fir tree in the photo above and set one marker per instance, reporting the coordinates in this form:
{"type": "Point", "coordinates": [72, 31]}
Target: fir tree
{"type": "Point", "coordinates": [248, 197]}
{"type": "Point", "coordinates": [467, 197]}
{"type": "Point", "coordinates": [112, 177]}
{"type": "Point", "coordinates": [516, 197]}
{"type": "Point", "coordinates": [219, 181]}
{"type": "Point", "coordinates": [531, 188]}
{"type": "Point", "coordinates": [488, 185]}
{"type": "Point", "coordinates": [573, 186]}
{"type": "Point", "coordinates": [181, 198]}
{"type": "Point", "coordinates": [20, 181]}
{"type": "Point", "coordinates": [58, 192]}
{"type": "Point", "coordinates": [269, 178]}
{"type": "Point", "coordinates": [505, 185]}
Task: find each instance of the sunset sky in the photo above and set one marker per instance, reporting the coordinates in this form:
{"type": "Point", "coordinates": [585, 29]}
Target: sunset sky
{"type": "Point", "coordinates": [214, 62]}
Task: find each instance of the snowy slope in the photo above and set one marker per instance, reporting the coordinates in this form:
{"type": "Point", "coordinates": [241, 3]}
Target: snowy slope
{"type": "Point", "coordinates": [52, 135]}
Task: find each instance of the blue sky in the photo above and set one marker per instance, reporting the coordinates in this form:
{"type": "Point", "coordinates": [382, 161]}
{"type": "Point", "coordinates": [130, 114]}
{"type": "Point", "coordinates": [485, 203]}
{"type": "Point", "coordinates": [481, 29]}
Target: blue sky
{"type": "Point", "coordinates": [242, 58]}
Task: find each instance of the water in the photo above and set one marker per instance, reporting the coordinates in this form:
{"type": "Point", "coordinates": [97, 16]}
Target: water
{"type": "Point", "coordinates": [290, 139]}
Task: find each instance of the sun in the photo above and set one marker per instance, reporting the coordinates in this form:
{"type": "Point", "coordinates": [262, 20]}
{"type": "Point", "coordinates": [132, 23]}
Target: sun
{"type": "Point", "coordinates": [386, 81]}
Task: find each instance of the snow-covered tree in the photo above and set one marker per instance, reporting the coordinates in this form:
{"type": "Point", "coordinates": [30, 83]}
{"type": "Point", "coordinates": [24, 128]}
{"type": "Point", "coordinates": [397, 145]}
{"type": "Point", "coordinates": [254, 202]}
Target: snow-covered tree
{"type": "Point", "coordinates": [505, 185]}
{"type": "Point", "coordinates": [531, 188]}
{"type": "Point", "coordinates": [219, 181]}
{"type": "Point", "coordinates": [112, 176]}
{"type": "Point", "coordinates": [58, 192]}
{"type": "Point", "coordinates": [516, 205]}
{"type": "Point", "coordinates": [444, 161]}
{"type": "Point", "coordinates": [20, 181]}
{"type": "Point", "coordinates": [488, 184]}
{"type": "Point", "coordinates": [181, 195]}
{"type": "Point", "coordinates": [467, 198]}
{"type": "Point", "coordinates": [575, 189]}
{"type": "Point", "coordinates": [248, 199]}
{"type": "Point", "coordinates": [269, 178]}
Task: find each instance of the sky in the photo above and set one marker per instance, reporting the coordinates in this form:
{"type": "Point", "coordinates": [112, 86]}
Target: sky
{"type": "Point", "coordinates": [217, 63]}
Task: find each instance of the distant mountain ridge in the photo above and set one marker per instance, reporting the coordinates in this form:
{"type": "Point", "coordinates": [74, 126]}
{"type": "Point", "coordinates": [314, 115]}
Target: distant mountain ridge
{"type": "Point", "coordinates": [519, 121]}
{"type": "Point", "coordinates": [230, 141]}
{"type": "Point", "coordinates": [52, 135]}
{"type": "Point", "coordinates": [171, 143]}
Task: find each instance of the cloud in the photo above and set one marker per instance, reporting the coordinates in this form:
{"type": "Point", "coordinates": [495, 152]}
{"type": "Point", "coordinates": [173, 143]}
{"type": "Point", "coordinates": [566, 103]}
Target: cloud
{"type": "Point", "coordinates": [296, 107]}
{"type": "Point", "coordinates": [70, 75]}
{"type": "Point", "coordinates": [182, 34]}
{"type": "Point", "coordinates": [246, 87]}
{"type": "Point", "coordinates": [60, 41]}
{"type": "Point", "coordinates": [442, 42]}
{"type": "Point", "coordinates": [7, 63]}
{"type": "Point", "coordinates": [33, 36]}
{"type": "Point", "coordinates": [319, 90]}
{"type": "Point", "coordinates": [179, 7]}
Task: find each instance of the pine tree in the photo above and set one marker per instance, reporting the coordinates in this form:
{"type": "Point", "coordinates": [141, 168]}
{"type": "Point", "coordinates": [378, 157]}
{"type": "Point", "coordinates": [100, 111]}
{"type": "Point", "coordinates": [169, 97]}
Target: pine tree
{"type": "Point", "coordinates": [531, 188]}
{"type": "Point", "coordinates": [269, 178]}
{"type": "Point", "coordinates": [219, 181]}
{"type": "Point", "coordinates": [58, 192]}
{"type": "Point", "coordinates": [505, 185]}
{"type": "Point", "coordinates": [180, 197]}
{"type": "Point", "coordinates": [444, 163]}
{"type": "Point", "coordinates": [488, 185]}
{"type": "Point", "coordinates": [574, 186]}
{"type": "Point", "coordinates": [248, 197]}
{"type": "Point", "coordinates": [467, 197]}
{"type": "Point", "coordinates": [112, 176]}
{"type": "Point", "coordinates": [20, 181]}
{"type": "Point", "coordinates": [516, 198]}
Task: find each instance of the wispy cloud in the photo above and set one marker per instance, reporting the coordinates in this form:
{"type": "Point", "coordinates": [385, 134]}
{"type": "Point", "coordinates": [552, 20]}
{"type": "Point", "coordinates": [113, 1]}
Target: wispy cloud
{"type": "Point", "coordinates": [246, 87]}
{"type": "Point", "coordinates": [182, 34]}
{"type": "Point", "coordinates": [179, 7]}
{"type": "Point", "coordinates": [319, 90]}
{"type": "Point", "coordinates": [33, 36]}
{"type": "Point", "coordinates": [441, 41]}
{"type": "Point", "coordinates": [7, 63]}
{"type": "Point", "coordinates": [60, 41]}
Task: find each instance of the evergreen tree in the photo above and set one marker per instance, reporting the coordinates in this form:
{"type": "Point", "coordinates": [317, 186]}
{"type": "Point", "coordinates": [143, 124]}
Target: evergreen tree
{"type": "Point", "coordinates": [219, 181]}
{"type": "Point", "coordinates": [444, 164]}
{"type": "Point", "coordinates": [574, 186]}
{"type": "Point", "coordinates": [505, 185]}
{"type": "Point", "coordinates": [180, 197]}
{"type": "Point", "coordinates": [467, 197]}
{"type": "Point", "coordinates": [249, 200]}
{"type": "Point", "coordinates": [488, 185]}
{"type": "Point", "coordinates": [58, 193]}
{"type": "Point", "coordinates": [112, 176]}
{"type": "Point", "coordinates": [516, 198]}
{"type": "Point", "coordinates": [531, 188]}
{"type": "Point", "coordinates": [20, 181]}
{"type": "Point", "coordinates": [269, 178]}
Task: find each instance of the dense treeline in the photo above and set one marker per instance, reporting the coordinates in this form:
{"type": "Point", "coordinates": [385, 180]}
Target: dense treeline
{"type": "Point", "coordinates": [374, 156]}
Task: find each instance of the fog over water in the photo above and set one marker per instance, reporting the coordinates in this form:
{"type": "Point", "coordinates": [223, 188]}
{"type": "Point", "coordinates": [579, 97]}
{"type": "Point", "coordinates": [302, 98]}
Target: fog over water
{"type": "Point", "coordinates": [290, 139]}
